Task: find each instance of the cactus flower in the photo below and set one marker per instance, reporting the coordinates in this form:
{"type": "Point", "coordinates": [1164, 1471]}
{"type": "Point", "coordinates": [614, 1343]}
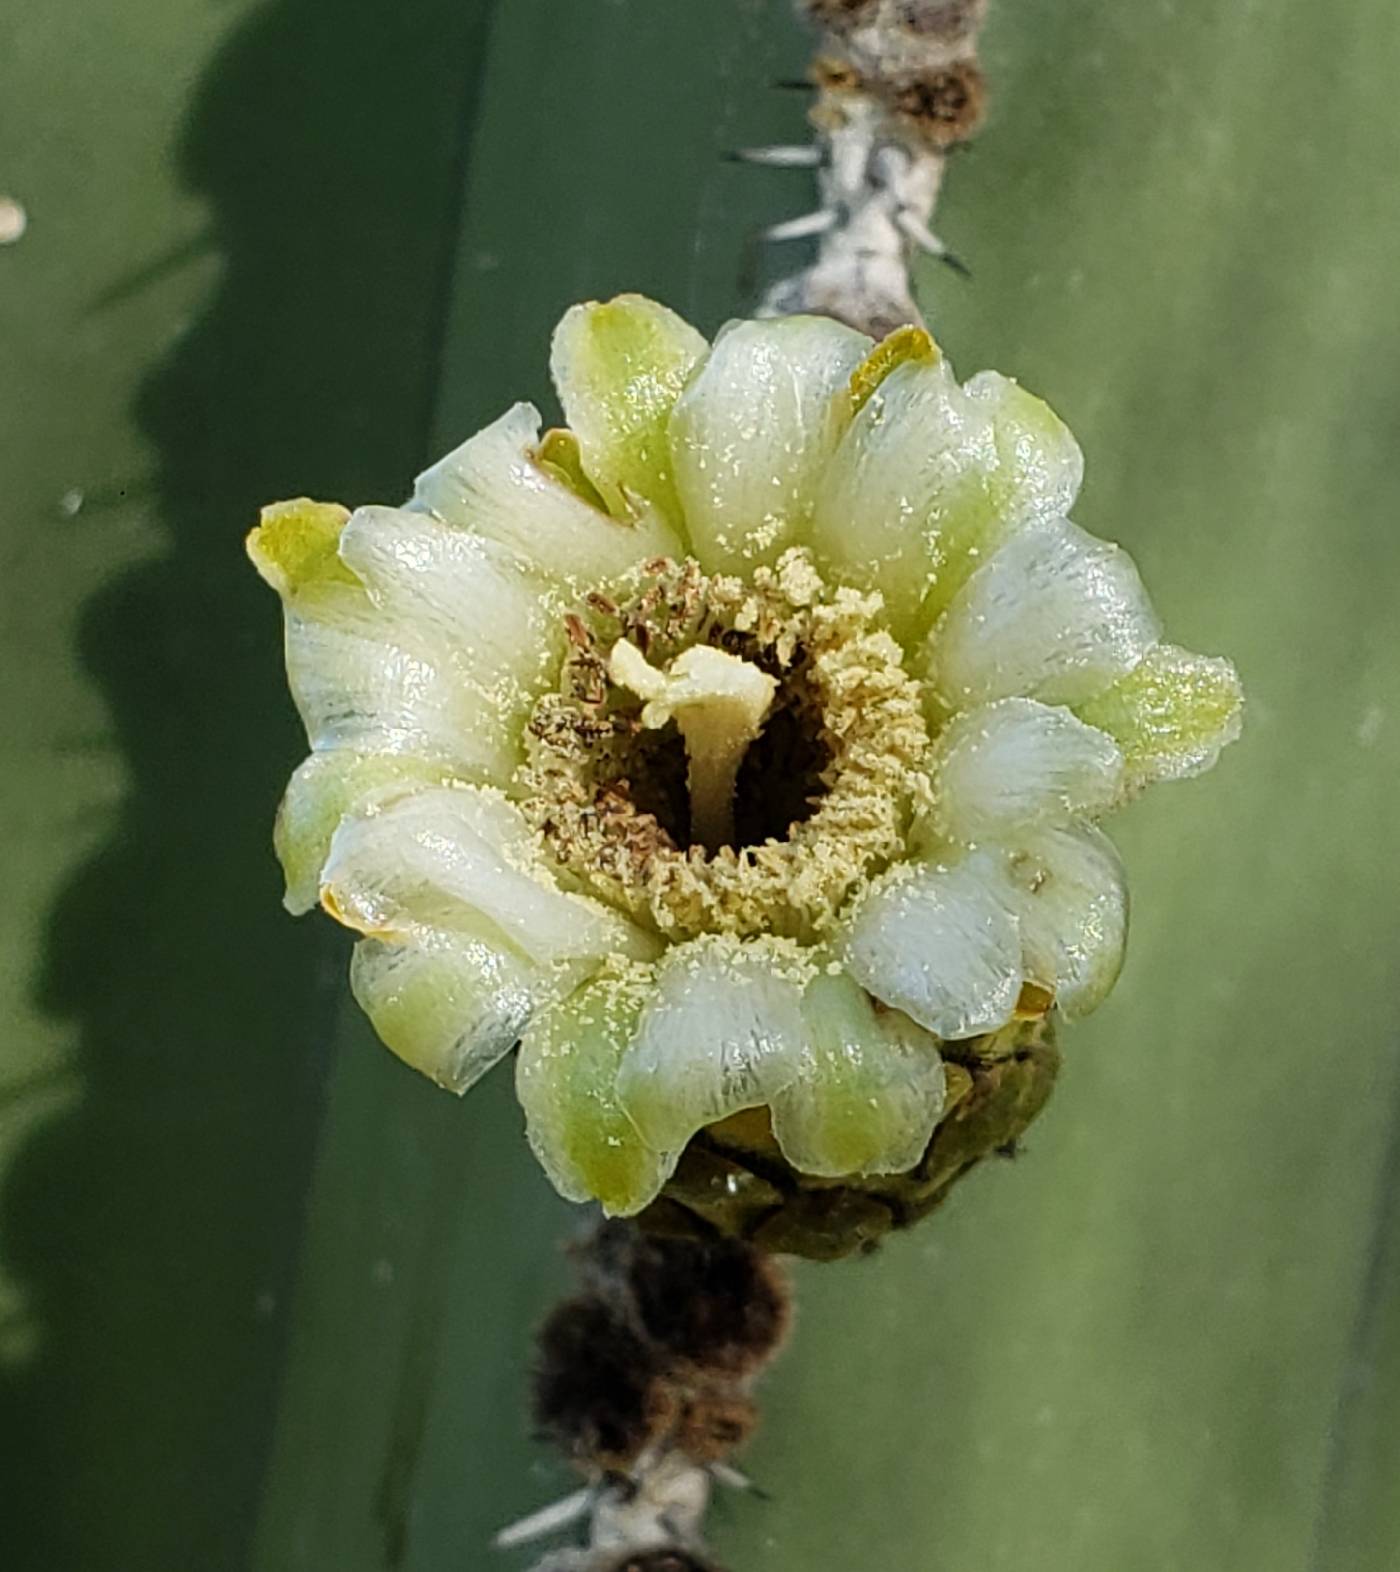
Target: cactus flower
{"type": "Point", "coordinates": [737, 749]}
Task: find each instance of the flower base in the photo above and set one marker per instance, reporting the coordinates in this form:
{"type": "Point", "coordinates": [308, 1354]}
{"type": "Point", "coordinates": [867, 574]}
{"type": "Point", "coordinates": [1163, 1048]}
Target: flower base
{"type": "Point", "coordinates": [734, 1181]}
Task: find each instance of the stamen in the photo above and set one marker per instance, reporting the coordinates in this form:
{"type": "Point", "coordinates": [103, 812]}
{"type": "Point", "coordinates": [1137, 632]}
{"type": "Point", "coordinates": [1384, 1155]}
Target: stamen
{"type": "Point", "coordinates": [719, 702]}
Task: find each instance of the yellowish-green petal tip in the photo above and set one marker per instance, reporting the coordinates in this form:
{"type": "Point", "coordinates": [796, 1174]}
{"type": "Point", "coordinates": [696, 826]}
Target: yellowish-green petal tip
{"type": "Point", "coordinates": [295, 544]}
{"type": "Point", "coordinates": [619, 366]}
{"type": "Point", "coordinates": [1171, 715]}
{"type": "Point", "coordinates": [903, 345]}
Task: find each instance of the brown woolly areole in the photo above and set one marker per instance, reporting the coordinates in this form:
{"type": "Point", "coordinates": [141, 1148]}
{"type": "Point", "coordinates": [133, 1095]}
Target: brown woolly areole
{"type": "Point", "coordinates": [825, 794]}
{"type": "Point", "coordinates": [947, 105]}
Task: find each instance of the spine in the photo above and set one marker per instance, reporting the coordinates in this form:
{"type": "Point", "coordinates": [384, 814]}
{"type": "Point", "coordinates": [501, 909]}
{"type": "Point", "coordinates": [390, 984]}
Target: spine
{"type": "Point", "coordinates": [899, 88]}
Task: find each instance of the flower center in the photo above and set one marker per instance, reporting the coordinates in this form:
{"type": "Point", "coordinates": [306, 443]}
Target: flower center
{"type": "Point", "coordinates": [719, 702]}
{"type": "Point", "coordinates": [727, 757]}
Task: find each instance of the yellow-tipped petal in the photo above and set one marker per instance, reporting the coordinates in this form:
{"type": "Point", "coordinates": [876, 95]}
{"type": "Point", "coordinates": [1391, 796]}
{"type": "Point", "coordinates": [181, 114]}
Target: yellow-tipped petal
{"type": "Point", "coordinates": [294, 545]}
{"type": "Point", "coordinates": [931, 478]}
{"type": "Point", "coordinates": [619, 366]}
{"type": "Point", "coordinates": [560, 455]}
{"type": "Point", "coordinates": [904, 344]}
{"type": "Point", "coordinates": [1171, 715]}
{"type": "Point", "coordinates": [531, 497]}
{"type": "Point", "coordinates": [904, 497]}
{"type": "Point", "coordinates": [566, 1079]}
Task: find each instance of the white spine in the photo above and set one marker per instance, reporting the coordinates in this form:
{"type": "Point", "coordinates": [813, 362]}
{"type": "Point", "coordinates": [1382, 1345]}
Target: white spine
{"type": "Point", "coordinates": [898, 88]}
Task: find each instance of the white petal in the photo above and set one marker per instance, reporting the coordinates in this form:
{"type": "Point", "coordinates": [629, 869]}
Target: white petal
{"type": "Point", "coordinates": [325, 789]}
{"type": "Point", "coordinates": [1008, 767]}
{"type": "Point", "coordinates": [619, 367]}
{"type": "Point", "coordinates": [905, 493]}
{"type": "Point", "coordinates": [360, 686]}
{"type": "Point", "coordinates": [449, 858]}
{"type": "Point", "coordinates": [566, 1080]}
{"type": "Point", "coordinates": [753, 431]}
{"type": "Point", "coordinates": [724, 1031]}
{"type": "Point", "coordinates": [434, 584]}
{"type": "Point", "coordinates": [871, 1089]}
{"type": "Point", "coordinates": [940, 943]}
{"type": "Point", "coordinates": [1040, 468]}
{"type": "Point", "coordinates": [1072, 900]}
{"type": "Point", "coordinates": [449, 1005]}
{"type": "Point", "coordinates": [1056, 615]}
{"type": "Point", "coordinates": [492, 485]}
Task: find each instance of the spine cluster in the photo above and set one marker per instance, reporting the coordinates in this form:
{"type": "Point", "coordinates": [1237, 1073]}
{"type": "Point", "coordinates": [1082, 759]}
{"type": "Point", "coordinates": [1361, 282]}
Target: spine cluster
{"type": "Point", "coordinates": [643, 1380]}
{"type": "Point", "coordinates": [898, 88]}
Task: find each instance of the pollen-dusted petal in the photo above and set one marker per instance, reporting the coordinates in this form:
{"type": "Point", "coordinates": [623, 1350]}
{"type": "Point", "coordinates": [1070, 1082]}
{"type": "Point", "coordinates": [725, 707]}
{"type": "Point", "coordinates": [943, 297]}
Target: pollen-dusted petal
{"type": "Point", "coordinates": [1034, 477]}
{"type": "Point", "coordinates": [753, 431]}
{"type": "Point", "coordinates": [449, 1005]}
{"type": "Point", "coordinates": [1040, 466]}
{"type": "Point", "coordinates": [1008, 767]}
{"type": "Point", "coordinates": [939, 941]}
{"type": "Point", "coordinates": [1056, 615]}
{"type": "Point", "coordinates": [870, 1092]}
{"type": "Point", "coordinates": [358, 685]}
{"type": "Point", "coordinates": [496, 485]}
{"type": "Point", "coordinates": [362, 680]}
{"type": "Point", "coordinates": [325, 788]}
{"type": "Point", "coordinates": [1072, 901]}
{"type": "Point", "coordinates": [619, 367]}
{"type": "Point", "coordinates": [449, 858]}
{"type": "Point", "coordinates": [566, 1079]}
{"type": "Point", "coordinates": [1171, 715]}
{"type": "Point", "coordinates": [905, 498]}
{"type": "Point", "coordinates": [465, 595]}
{"type": "Point", "coordinates": [724, 1031]}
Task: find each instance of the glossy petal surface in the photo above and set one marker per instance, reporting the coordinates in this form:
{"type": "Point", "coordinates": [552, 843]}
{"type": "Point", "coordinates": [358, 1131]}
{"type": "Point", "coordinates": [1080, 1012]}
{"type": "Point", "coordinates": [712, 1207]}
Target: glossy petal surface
{"type": "Point", "coordinates": [870, 1092]}
{"type": "Point", "coordinates": [1056, 615]}
{"type": "Point", "coordinates": [940, 942]}
{"type": "Point", "coordinates": [325, 789]}
{"type": "Point", "coordinates": [1073, 910]}
{"type": "Point", "coordinates": [495, 485]}
{"type": "Point", "coordinates": [724, 1030]}
{"type": "Point", "coordinates": [449, 1005]}
{"type": "Point", "coordinates": [449, 858]}
{"type": "Point", "coordinates": [752, 433]}
{"type": "Point", "coordinates": [566, 1079]}
{"type": "Point", "coordinates": [905, 493]}
{"type": "Point", "coordinates": [464, 595]}
{"type": "Point", "coordinates": [1171, 715]}
{"type": "Point", "coordinates": [619, 367]}
{"type": "Point", "coordinates": [1008, 767]}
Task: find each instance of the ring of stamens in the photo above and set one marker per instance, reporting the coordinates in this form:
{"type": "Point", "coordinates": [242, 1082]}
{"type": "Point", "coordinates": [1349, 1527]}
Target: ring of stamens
{"type": "Point", "coordinates": [825, 795]}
